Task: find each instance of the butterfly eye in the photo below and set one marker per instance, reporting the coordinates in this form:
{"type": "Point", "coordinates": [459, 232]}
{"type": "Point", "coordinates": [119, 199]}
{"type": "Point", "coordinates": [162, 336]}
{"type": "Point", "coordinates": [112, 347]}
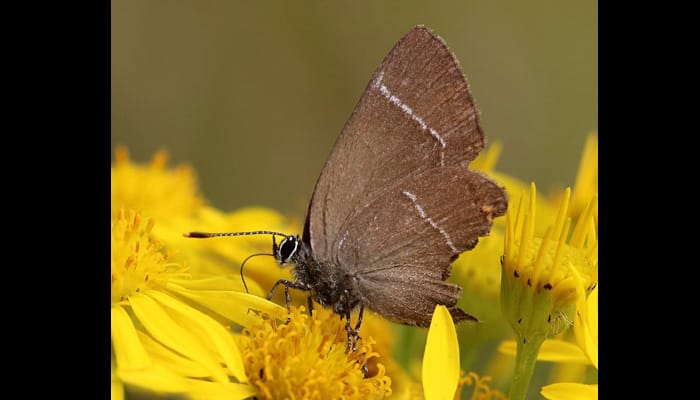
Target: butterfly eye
{"type": "Point", "coordinates": [287, 249]}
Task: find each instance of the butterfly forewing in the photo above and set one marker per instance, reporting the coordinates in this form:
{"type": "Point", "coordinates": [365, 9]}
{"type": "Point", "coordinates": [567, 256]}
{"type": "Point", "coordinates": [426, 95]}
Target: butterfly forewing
{"type": "Point", "coordinates": [415, 114]}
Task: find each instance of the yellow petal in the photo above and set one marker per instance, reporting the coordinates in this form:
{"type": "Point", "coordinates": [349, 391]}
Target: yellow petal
{"type": "Point", "coordinates": [178, 364]}
{"type": "Point", "coordinates": [163, 328]}
{"type": "Point", "coordinates": [252, 218]}
{"type": "Point", "coordinates": [172, 379]}
{"type": "Point", "coordinates": [210, 283]}
{"type": "Point", "coordinates": [156, 378]}
{"type": "Point", "coordinates": [508, 347]}
{"type": "Point", "coordinates": [562, 351]}
{"type": "Point", "coordinates": [218, 391]}
{"type": "Point", "coordinates": [207, 329]}
{"type": "Point", "coordinates": [586, 324]}
{"type": "Point", "coordinates": [238, 307]}
{"type": "Point", "coordinates": [219, 283]}
{"type": "Point", "coordinates": [570, 391]}
{"type": "Point", "coordinates": [117, 388]}
{"type": "Point", "coordinates": [441, 357]}
{"type": "Point", "coordinates": [128, 350]}
{"type": "Point", "coordinates": [551, 350]}
{"type": "Point", "coordinates": [591, 335]}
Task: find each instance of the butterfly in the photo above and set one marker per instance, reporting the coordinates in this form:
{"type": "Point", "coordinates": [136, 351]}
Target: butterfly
{"type": "Point", "coordinates": [396, 202]}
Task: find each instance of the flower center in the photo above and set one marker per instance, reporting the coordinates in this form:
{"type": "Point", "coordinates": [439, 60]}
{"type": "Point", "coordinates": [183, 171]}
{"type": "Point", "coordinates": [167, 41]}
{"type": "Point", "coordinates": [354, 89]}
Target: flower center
{"type": "Point", "coordinates": [138, 260]}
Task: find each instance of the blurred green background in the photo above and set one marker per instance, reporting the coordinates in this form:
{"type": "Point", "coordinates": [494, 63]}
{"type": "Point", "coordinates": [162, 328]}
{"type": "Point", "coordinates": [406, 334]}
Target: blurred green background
{"type": "Point", "coordinates": [254, 94]}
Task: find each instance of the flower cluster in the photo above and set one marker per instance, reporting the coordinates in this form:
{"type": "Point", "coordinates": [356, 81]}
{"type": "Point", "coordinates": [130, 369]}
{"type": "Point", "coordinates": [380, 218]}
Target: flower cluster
{"type": "Point", "coordinates": [185, 323]}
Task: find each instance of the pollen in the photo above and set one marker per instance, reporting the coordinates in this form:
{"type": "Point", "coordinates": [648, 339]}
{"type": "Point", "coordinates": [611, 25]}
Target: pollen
{"type": "Point", "coordinates": [306, 359]}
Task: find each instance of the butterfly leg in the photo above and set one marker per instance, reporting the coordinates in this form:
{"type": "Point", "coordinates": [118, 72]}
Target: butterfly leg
{"type": "Point", "coordinates": [287, 284]}
{"type": "Point", "coordinates": [359, 320]}
{"type": "Point", "coordinates": [311, 304]}
{"type": "Point", "coordinates": [353, 333]}
{"type": "Point", "coordinates": [365, 370]}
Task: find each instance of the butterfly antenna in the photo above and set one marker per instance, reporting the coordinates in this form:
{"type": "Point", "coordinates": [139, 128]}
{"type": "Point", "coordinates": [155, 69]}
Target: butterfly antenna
{"type": "Point", "coordinates": [205, 235]}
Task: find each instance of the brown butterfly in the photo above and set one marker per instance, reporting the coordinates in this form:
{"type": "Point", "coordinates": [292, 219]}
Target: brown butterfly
{"type": "Point", "coordinates": [396, 202]}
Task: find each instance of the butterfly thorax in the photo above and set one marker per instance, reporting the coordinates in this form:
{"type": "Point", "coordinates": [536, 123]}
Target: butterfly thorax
{"type": "Point", "coordinates": [329, 286]}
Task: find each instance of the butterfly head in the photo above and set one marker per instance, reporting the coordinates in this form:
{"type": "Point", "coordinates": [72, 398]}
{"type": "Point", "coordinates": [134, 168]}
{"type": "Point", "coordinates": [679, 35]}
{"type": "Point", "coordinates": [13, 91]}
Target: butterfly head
{"type": "Point", "coordinates": [286, 251]}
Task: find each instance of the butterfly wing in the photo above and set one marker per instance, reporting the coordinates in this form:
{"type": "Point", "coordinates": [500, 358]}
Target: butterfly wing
{"type": "Point", "coordinates": [400, 245]}
{"type": "Point", "coordinates": [428, 218]}
{"type": "Point", "coordinates": [408, 294]}
{"type": "Point", "coordinates": [416, 114]}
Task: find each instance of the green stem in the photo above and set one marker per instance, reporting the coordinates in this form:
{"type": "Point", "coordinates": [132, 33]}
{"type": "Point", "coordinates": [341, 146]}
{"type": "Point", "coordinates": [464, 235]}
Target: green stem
{"type": "Point", "coordinates": [524, 366]}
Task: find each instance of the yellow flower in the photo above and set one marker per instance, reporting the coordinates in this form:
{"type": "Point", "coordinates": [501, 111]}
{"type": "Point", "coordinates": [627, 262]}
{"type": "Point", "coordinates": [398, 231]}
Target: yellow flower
{"type": "Point", "coordinates": [163, 282]}
{"type": "Point", "coordinates": [542, 277]}
{"type": "Point", "coordinates": [161, 340]}
{"type": "Point", "coordinates": [166, 194]}
{"type": "Point", "coordinates": [476, 269]}
{"type": "Point", "coordinates": [172, 196]}
{"type": "Point", "coordinates": [305, 358]}
{"type": "Point", "coordinates": [546, 269]}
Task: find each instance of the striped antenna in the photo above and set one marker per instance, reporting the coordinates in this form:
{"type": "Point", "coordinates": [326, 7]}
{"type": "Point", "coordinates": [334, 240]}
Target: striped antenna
{"type": "Point", "coordinates": [204, 235]}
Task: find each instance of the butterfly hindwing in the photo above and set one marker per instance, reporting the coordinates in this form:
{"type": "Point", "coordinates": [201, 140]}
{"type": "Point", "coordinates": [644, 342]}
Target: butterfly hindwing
{"type": "Point", "coordinates": [426, 220]}
{"type": "Point", "coordinates": [414, 293]}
